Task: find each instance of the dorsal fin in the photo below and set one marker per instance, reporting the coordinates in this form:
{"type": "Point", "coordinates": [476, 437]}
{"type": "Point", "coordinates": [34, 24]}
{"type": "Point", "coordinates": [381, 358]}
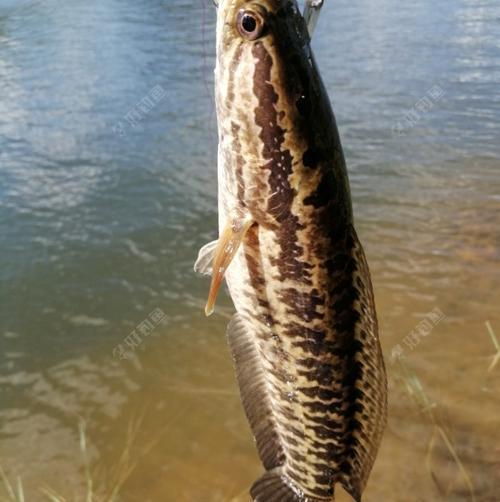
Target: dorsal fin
{"type": "Point", "coordinates": [371, 387]}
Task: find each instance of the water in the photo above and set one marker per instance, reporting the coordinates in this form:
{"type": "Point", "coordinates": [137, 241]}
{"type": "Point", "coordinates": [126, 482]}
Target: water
{"type": "Point", "coordinates": [107, 190]}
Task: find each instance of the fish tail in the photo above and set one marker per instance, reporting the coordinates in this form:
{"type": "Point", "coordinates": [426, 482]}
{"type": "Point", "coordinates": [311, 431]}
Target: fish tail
{"type": "Point", "coordinates": [276, 486]}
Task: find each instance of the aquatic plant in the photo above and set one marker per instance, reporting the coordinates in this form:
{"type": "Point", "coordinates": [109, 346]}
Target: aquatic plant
{"type": "Point", "coordinates": [101, 484]}
{"type": "Point", "coordinates": [415, 390]}
{"type": "Point", "coordinates": [12, 495]}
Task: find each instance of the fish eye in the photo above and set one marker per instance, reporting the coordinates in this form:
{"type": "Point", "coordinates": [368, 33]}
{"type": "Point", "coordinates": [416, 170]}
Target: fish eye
{"type": "Point", "coordinates": [250, 24]}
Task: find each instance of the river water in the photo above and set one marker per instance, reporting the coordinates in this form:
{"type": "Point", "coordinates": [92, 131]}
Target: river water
{"type": "Point", "coordinates": [108, 189]}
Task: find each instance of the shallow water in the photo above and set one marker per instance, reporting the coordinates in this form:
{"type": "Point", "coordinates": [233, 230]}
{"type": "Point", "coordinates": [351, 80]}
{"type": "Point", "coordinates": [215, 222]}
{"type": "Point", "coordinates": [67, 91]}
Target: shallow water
{"type": "Point", "coordinates": [107, 190]}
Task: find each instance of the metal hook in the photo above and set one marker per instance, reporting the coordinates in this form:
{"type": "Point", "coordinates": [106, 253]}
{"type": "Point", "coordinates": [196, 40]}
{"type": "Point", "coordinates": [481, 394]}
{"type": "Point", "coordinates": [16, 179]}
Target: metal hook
{"type": "Point", "coordinates": [311, 14]}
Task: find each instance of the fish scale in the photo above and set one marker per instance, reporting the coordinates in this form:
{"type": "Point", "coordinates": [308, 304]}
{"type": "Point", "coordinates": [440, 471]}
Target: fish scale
{"type": "Point", "coordinates": [305, 337]}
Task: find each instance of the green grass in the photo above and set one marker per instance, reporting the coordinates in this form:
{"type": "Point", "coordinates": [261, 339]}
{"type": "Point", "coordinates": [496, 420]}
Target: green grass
{"type": "Point", "coordinates": [11, 494]}
{"type": "Point", "coordinates": [112, 480]}
{"type": "Point", "coordinates": [414, 388]}
{"type": "Point", "coordinates": [494, 340]}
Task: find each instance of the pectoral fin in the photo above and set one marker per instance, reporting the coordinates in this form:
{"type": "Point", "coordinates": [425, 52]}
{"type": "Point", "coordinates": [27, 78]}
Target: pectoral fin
{"type": "Point", "coordinates": [205, 259]}
{"type": "Point", "coordinates": [227, 246]}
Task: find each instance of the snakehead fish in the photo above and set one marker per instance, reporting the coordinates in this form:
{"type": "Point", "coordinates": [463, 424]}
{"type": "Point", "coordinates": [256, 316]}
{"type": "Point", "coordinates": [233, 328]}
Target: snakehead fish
{"type": "Point", "coordinates": [304, 338]}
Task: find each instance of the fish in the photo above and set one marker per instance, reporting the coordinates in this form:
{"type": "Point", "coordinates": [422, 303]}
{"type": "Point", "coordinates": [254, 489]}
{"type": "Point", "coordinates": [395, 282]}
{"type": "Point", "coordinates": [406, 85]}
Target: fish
{"type": "Point", "coordinates": [304, 338]}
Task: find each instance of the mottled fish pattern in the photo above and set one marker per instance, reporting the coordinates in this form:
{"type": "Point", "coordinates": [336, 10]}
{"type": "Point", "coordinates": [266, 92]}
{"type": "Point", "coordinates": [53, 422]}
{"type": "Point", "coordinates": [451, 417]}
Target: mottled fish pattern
{"type": "Point", "coordinates": [305, 337]}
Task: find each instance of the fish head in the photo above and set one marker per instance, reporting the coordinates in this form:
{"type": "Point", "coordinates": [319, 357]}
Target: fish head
{"type": "Point", "coordinates": [244, 24]}
{"type": "Point", "coordinates": [268, 93]}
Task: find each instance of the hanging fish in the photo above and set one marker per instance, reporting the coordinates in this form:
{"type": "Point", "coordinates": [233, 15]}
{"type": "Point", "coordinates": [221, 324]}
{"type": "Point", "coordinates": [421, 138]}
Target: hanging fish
{"type": "Point", "coordinates": [304, 338]}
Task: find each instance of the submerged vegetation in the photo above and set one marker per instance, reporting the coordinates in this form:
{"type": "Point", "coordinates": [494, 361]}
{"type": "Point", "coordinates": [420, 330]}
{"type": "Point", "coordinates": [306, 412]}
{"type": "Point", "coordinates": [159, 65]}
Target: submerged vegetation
{"type": "Point", "coordinates": [415, 390]}
{"type": "Point", "coordinates": [496, 357]}
{"type": "Point", "coordinates": [101, 484]}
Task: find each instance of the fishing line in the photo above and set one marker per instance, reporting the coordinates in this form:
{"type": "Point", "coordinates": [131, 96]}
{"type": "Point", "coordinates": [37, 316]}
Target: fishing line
{"type": "Point", "coordinates": [210, 129]}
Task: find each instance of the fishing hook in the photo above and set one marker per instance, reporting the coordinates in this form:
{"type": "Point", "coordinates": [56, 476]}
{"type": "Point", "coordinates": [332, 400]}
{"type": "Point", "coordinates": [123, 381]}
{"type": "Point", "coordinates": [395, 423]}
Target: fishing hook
{"type": "Point", "coordinates": [311, 14]}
